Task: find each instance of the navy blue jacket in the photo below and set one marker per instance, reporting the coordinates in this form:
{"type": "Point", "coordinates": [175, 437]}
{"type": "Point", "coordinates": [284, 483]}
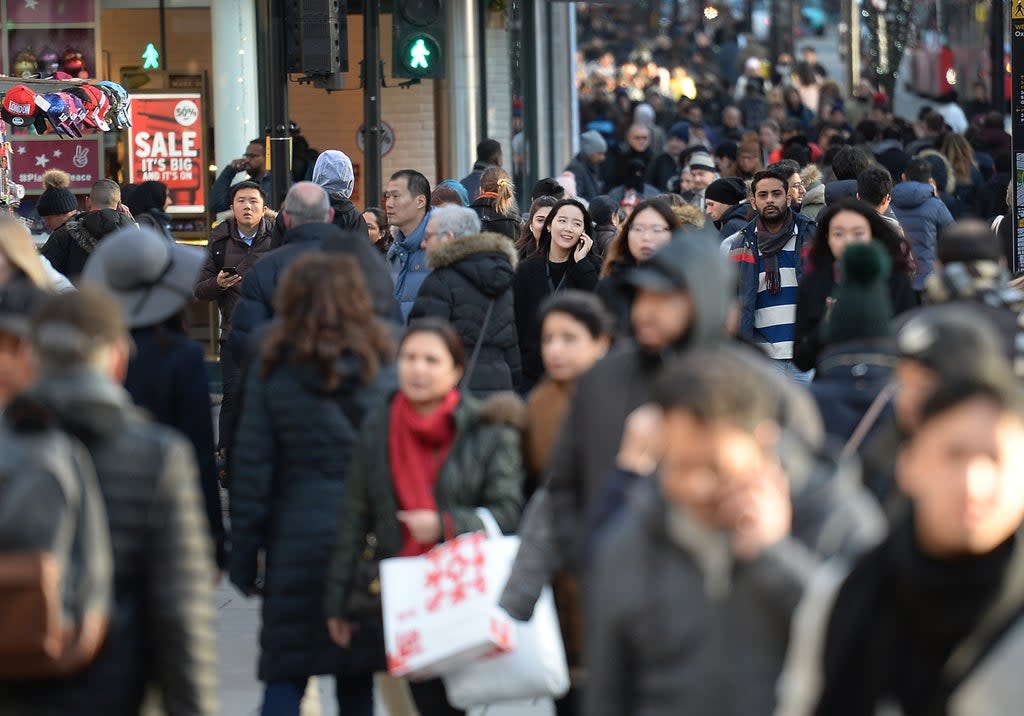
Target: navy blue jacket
{"type": "Point", "coordinates": [167, 378]}
{"type": "Point", "coordinates": [922, 215]}
{"type": "Point", "coordinates": [849, 377]}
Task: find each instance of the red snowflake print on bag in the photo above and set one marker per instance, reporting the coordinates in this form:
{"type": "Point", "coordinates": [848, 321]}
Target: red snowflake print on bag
{"type": "Point", "coordinates": [456, 570]}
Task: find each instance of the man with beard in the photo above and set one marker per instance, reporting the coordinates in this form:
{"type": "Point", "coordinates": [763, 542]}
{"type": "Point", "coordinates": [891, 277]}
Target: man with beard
{"type": "Point", "coordinates": [769, 255]}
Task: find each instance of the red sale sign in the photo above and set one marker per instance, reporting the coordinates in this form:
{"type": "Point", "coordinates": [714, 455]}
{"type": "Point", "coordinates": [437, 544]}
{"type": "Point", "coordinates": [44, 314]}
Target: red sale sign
{"type": "Point", "coordinates": [166, 143]}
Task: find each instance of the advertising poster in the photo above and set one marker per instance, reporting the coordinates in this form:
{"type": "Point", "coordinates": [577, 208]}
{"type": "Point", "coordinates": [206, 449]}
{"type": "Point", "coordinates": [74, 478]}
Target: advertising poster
{"type": "Point", "coordinates": [166, 144]}
{"type": "Point", "coordinates": [81, 158]}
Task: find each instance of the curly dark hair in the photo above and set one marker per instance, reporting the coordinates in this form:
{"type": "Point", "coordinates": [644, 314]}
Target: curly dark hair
{"type": "Point", "coordinates": [821, 257]}
{"type": "Point", "coordinates": [618, 250]}
{"type": "Point", "coordinates": [325, 312]}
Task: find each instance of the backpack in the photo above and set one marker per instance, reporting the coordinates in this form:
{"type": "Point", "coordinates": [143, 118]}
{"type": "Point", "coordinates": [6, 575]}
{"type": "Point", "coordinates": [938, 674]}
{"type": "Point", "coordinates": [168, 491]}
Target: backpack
{"type": "Point", "coordinates": [56, 562]}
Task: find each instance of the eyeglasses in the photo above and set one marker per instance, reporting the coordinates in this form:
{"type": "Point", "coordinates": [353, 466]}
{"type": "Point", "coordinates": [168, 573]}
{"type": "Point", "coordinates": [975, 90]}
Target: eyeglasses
{"type": "Point", "coordinates": [652, 230]}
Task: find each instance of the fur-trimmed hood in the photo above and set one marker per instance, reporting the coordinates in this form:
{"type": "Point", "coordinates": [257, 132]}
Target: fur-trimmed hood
{"type": "Point", "coordinates": [811, 176]}
{"type": "Point", "coordinates": [459, 249]}
{"type": "Point", "coordinates": [505, 408]}
{"type": "Point", "coordinates": [486, 261]}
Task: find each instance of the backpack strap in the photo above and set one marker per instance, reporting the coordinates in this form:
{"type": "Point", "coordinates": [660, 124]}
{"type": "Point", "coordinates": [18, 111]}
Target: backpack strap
{"type": "Point", "coordinates": [468, 375]}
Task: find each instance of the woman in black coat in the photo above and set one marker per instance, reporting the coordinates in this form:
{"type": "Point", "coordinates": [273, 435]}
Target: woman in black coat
{"type": "Point", "coordinates": [472, 276]}
{"type": "Point", "coordinates": [565, 261]}
{"type": "Point", "coordinates": [648, 228]}
{"type": "Point", "coordinates": [322, 366]}
{"type": "Point", "coordinates": [847, 222]}
{"type": "Point", "coordinates": [496, 204]}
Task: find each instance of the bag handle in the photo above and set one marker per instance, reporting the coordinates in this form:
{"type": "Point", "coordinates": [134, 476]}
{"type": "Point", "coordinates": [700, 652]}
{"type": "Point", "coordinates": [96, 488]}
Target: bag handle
{"type": "Point", "coordinates": [491, 528]}
{"type": "Point", "coordinates": [471, 366]}
{"type": "Point", "coordinates": [870, 418]}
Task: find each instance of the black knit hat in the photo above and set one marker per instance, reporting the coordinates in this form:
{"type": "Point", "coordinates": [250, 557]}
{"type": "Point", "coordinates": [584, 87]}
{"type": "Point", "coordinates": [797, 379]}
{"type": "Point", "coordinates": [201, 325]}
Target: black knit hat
{"type": "Point", "coordinates": [862, 308]}
{"type": "Point", "coordinates": [727, 190]}
{"type": "Point", "coordinates": [57, 198]}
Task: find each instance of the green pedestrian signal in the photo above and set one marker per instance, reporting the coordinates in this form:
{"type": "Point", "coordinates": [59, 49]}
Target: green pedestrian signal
{"type": "Point", "coordinates": [418, 39]}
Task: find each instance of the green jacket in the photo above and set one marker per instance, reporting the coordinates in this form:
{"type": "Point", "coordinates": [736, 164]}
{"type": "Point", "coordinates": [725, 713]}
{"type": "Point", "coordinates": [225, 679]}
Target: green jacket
{"type": "Point", "coordinates": [484, 469]}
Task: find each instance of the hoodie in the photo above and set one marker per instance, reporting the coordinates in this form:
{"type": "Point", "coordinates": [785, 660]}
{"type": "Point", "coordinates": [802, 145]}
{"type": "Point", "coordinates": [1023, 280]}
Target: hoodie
{"type": "Point", "coordinates": [334, 174]}
{"type": "Point", "coordinates": [468, 275]}
{"type": "Point", "coordinates": [922, 215]}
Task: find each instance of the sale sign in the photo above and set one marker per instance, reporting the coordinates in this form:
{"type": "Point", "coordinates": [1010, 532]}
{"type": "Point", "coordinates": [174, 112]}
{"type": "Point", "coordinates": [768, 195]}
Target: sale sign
{"type": "Point", "coordinates": [166, 143]}
{"type": "Point", "coordinates": [81, 158]}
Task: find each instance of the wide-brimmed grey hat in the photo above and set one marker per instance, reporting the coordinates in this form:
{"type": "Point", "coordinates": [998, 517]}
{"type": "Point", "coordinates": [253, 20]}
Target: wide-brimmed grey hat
{"type": "Point", "coordinates": [150, 276]}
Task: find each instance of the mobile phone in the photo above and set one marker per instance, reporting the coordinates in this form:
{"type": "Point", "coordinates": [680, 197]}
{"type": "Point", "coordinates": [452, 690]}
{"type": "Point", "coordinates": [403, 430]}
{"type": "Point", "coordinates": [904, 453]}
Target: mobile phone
{"type": "Point", "coordinates": [230, 270]}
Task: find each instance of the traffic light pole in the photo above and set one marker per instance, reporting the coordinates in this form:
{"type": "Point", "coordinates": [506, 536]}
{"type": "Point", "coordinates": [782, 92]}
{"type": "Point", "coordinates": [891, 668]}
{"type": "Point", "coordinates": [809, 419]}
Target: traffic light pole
{"type": "Point", "coordinates": [372, 81]}
{"type": "Point", "coordinates": [277, 92]}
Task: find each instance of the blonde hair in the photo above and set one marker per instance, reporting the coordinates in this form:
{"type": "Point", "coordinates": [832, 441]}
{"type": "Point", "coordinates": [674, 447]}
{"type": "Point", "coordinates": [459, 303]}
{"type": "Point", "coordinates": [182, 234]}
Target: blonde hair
{"type": "Point", "coordinates": [18, 248]}
{"type": "Point", "coordinates": [960, 155]}
{"type": "Point", "coordinates": [497, 180]}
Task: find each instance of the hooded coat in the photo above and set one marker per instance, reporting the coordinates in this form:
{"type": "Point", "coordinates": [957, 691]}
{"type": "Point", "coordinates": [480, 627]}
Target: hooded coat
{"type": "Point", "coordinates": [922, 215]}
{"type": "Point", "coordinates": [467, 274]}
{"type": "Point", "coordinates": [291, 465]}
{"type": "Point", "coordinates": [586, 447]}
{"type": "Point", "coordinates": [734, 219]}
{"type": "Point", "coordinates": [407, 260]}
{"type": "Point", "coordinates": [333, 173]}
{"type": "Point", "coordinates": [70, 246]}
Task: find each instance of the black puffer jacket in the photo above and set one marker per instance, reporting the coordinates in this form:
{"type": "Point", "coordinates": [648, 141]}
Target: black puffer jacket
{"type": "Point", "coordinates": [491, 220]}
{"type": "Point", "coordinates": [469, 273]}
{"type": "Point", "coordinates": [162, 631]}
{"type": "Point", "coordinates": [291, 465]}
{"type": "Point", "coordinates": [69, 247]}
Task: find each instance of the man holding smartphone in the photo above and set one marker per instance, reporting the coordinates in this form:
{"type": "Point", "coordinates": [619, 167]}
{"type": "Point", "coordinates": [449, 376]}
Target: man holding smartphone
{"type": "Point", "coordinates": [234, 246]}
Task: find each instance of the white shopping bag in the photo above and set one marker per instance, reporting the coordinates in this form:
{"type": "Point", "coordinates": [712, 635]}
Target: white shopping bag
{"type": "Point", "coordinates": [440, 609]}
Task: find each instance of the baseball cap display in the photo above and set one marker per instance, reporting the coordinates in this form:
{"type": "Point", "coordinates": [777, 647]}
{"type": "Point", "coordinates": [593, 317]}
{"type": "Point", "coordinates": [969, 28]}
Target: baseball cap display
{"type": "Point", "coordinates": [59, 115]}
{"type": "Point", "coordinates": [120, 104]}
{"type": "Point", "coordinates": [70, 110]}
{"type": "Point", "coordinates": [77, 111]}
{"type": "Point", "coordinates": [96, 105]}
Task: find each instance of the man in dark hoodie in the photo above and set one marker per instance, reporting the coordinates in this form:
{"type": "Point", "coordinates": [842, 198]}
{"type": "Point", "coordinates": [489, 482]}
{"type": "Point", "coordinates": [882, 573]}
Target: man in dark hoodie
{"type": "Point", "coordinates": [308, 216]}
{"type": "Point", "coordinates": [69, 247]}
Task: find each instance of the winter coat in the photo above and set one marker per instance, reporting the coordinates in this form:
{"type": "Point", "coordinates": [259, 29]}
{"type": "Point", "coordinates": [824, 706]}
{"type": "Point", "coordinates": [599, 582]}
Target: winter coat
{"type": "Point", "coordinates": [530, 288]}
{"type": "Point", "coordinates": [167, 378]}
{"type": "Point", "coordinates": [617, 165]}
{"type": "Point", "coordinates": [922, 216]}
{"type": "Point", "coordinates": [812, 301]}
{"type": "Point", "coordinates": [492, 221]}
{"type": "Point", "coordinates": [742, 250]}
{"type": "Point", "coordinates": [617, 297]}
{"type": "Point", "coordinates": [734, 219]}
{"type": "Point", "coordinates": [226, 243]}
{"type": "Point", "coordinates": [662, 170]}
{"type": "Point", "coordinates": [849, 377]}
{"type": "Point", "coordinates": [588, 180]}
{"type": "Point", "coordinates": [890, 154]}
{"type": "Point", "coordinates": [220, 193]}
{"type": "Point", "coordinates": [257, 303]}
{"type": "Point", "coordinates": [700, 643]}
{"type": "Point", "coordinates": [407, 260]}
{"type": "Point", "coordinates": [814, 201]}
{"type": "Point", "coordinates": [162, 634]}
{"type": "Point", "coordinates": [467, 275]}
{"type": "Point", "coordinates": [157, 220]}
{"type": "Point", "coordinates": [851, 605]}
{"type": "Point", "coordinates": [835, 191]}
{"type": "Point", "coordinates": [484, 468]}
{"type": "Point", "coordinates": [291, 466]}
{"type": "Point", "coordinates": [619, 193]}
{"type": "Point", "coordinates": [70, 246]}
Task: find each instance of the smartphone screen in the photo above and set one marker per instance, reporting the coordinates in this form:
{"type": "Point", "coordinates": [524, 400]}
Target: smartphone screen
{"type": "Point", "coordinates": [230, 270]}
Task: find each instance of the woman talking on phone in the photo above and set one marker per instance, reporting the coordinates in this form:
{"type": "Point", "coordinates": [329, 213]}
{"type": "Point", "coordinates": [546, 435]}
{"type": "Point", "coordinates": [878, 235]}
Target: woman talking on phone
{"type": "Point", "coordinates": [565, 260]}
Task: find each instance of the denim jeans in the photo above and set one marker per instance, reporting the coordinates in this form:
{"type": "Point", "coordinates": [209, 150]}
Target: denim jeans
{"type": "Point", "coordinates": [354, 694]}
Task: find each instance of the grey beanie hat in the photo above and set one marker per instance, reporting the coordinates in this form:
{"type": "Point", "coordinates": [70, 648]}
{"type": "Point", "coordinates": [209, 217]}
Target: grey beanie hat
{"type": "Point", "coordinates": [333, 172]}
{"type": "Point", "coordinates": [592, 143]}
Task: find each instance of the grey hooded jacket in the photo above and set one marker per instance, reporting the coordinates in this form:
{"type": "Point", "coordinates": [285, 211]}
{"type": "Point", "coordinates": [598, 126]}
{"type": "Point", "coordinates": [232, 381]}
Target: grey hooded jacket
{"type": "Point", "coordinates": [333, 172]}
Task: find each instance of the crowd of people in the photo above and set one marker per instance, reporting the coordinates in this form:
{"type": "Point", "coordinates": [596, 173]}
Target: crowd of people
{"type": "Point", "coordinates": [748, 390]}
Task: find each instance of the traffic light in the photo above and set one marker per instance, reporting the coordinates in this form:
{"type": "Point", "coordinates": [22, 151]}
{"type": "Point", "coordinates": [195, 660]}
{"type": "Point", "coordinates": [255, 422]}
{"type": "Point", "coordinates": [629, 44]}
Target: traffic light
{"type": "Point", "coordinates": [316, 40]}
{"type": "Point", "coordinates": [418, 39]}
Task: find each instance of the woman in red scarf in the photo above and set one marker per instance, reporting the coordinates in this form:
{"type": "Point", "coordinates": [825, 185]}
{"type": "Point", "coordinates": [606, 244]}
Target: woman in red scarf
{"type": "Point", "coordinates": [424, 463]}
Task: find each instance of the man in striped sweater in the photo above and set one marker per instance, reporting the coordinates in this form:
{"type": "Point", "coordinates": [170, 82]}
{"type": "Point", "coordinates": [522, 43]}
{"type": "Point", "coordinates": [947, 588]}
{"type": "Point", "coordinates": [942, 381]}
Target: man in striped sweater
{"type": "Point", "coordinates": [769, 253]}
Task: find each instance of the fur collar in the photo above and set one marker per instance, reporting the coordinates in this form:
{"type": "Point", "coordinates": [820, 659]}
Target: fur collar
{"type": "Point", "coordinates": [459, 249]}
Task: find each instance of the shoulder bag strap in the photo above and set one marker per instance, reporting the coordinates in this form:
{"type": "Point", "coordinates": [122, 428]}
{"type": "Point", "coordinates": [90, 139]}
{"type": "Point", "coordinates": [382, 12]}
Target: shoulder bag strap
{"type": "Point", "coordinates": [867, 422]}
{"type": "Point", "coordinates": [471, 366]}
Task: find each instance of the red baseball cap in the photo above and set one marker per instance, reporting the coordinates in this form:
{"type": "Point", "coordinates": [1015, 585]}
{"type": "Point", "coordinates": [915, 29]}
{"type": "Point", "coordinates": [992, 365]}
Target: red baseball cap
{"type": "Point", "coordinates": [19, 106]}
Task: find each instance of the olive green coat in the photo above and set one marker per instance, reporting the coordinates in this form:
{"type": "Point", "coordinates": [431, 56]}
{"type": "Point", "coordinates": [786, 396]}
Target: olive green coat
{"type": "Point", "coordinates": [484, 469]}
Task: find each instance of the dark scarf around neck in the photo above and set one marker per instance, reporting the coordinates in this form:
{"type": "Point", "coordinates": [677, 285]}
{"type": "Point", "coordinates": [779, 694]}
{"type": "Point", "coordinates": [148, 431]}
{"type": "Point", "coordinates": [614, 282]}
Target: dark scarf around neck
{"type": "Point", "coordinates": [769, 244]}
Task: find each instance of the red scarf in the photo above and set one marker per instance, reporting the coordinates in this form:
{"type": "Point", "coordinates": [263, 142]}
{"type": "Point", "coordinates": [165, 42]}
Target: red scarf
{"type": "Point", "coordinates": [418, 445]}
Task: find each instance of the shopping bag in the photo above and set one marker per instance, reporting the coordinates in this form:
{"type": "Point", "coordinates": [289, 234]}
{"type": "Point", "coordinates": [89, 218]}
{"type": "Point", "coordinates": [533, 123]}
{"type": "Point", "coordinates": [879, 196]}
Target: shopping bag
{"type": "Point", "coordinates": [440, 609]}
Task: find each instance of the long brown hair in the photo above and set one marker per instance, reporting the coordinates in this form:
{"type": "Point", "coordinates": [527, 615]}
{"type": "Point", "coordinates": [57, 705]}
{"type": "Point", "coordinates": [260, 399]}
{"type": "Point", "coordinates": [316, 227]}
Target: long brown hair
{"type": "Point", "coordinates": [497, 180]}
{"type": "Point", "coordinates": [618, 249]}
{"type": "Point", "coordinates": [960, 155]}
{"type": "Point", "coordinates": [527, 244]}
{"type": "Point", "coordinates": [325, 312]}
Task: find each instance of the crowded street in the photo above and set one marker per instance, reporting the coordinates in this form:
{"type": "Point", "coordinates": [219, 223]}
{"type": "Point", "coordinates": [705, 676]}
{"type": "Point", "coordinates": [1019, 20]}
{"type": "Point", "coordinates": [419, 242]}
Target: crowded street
{"type": "Point", "coordinates": [446, 357]}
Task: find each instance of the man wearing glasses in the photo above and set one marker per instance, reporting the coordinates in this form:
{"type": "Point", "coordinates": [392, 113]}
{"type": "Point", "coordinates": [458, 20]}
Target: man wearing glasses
{"type": "Point", "coordinates": [253, 163]}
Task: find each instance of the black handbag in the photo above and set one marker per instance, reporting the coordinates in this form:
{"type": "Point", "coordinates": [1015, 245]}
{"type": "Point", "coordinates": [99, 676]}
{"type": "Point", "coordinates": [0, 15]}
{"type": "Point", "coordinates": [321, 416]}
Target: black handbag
{"type": "Point", "coordinates": [364, 596]}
